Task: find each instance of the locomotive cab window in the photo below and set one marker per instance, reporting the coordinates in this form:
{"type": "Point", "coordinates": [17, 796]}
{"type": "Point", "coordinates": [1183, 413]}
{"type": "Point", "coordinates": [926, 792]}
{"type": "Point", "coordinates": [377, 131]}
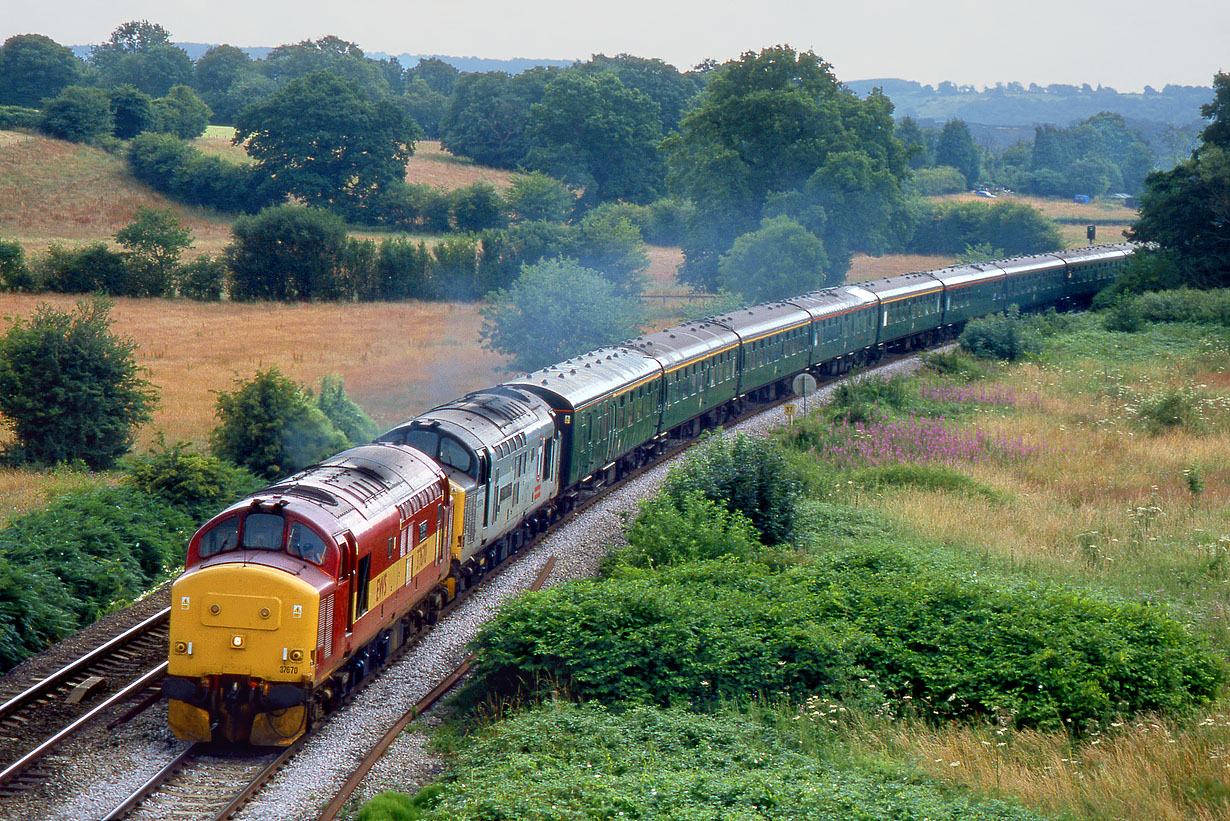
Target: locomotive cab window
{"type": "Point", "coordinates": [305, 544]}
{"type": "Point", "coordinates": [222, 536]}
{"type": "Point", "coordinates": [263, 531]}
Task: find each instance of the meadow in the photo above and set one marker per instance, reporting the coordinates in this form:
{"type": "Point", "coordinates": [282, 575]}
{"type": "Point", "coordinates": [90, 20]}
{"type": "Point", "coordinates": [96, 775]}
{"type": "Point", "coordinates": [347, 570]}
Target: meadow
{"type": "Point", "coordinates": [1086, 480]}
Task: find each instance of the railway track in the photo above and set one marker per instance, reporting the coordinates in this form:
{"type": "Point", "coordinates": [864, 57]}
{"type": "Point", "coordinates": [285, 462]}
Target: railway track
{"type": "Point", "coordinates": [124, 670]}
{"type": "Point", "coordinates": [199, 784]}
{"type": "Point", "coordinates": [189, 799]}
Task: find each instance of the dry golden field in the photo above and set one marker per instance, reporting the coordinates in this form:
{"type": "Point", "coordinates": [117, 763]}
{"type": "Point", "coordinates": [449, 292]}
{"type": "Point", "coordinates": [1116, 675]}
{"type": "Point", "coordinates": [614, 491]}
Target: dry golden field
{"type": "Point", "coordinates": [432, 165]}
{"type": "Point", "coordinates": [58, 192]}
{"type": "Point", "coordinates": [395, 359]}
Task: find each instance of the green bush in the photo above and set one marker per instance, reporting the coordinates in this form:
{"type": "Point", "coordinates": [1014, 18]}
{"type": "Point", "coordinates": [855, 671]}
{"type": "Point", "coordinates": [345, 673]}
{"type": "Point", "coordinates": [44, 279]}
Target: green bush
{"type": "Point", "coordinates": [668, 221]}
{"type": "Point", "coordinates": [192, 482]}
{"type": "Point", "coordinates": [79, 114]}
{"type": "Point", "coordinates": [345, 415]}
{"type": "Point", "coordinates": [955, 365]}
{"type": "Point", "coordinates": [478, 207]}
{"type": "Point", "coordinates": [1001, 336]}
{"type": "Point", "coordinates": [926, 477]}
{"type": "Point", "coordinates": [15, 275]}
{"type": "Point", "coordinates": [751, 476]}
{"type": "Point", "coordinates": [855, 620]}
{"type": "Point", "coordinates": [1185, 305]}
{"type": "Point", "coordinates": [70, 390]}
{"type": "Point", "coordinates": [669, 531]}
{"type": "Point", "coordinates": [1016, 228]}
{"type": "Point", "coordinates": [64, 566]}
{"type": "Point", "coordinates": [862, 400]}
{"type": "Point", "coordinates": [272, 427]}
{"type": "Point", "coordinates": [1172, 408]}
{"type": "Point", "coordinates": [202, 279]}
{"type": "Point", "coordinates": [91, 269]}
{"type": "Point", "coordinates": [15, 116]}
{"type": "Point", "coordinates": [933, 182]}
{"type": "Point", "coordinates": [562, 761]}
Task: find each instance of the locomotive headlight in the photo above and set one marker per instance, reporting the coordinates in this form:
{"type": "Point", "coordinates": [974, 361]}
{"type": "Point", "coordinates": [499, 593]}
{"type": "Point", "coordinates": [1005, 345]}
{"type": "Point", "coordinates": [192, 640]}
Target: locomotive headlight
{"type": "Point", "coordinates": [296, 655]}
{"type": "Point", "coordinates": [237, 641]}
{"type": "Point", "coordinates": [181, 647]}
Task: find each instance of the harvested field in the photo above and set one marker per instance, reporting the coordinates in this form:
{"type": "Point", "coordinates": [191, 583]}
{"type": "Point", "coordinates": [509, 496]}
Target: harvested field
{"type": "Point", "coordinates": [395, 359]}
{"type": "Point", "coordinates": [432, 165]}
{"type": "Point", "coordinates": [53, 191]}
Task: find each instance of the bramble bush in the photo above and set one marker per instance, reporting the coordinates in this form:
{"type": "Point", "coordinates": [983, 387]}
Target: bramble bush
{"type": "Point", "coordinates": [668, 531]}
{"type": "Point", "coordinates": [856, 620]}
{"type": "Point", "coordinates": [1001, 336]}
{"type": "Point", "coordinates": [194, 483]}
{"type": "Point", "coordinates": [751, 476]}
{"type": "Point", "coordinates": [64, 566]}
{"type": "Point", "coordinates": [563, 761]}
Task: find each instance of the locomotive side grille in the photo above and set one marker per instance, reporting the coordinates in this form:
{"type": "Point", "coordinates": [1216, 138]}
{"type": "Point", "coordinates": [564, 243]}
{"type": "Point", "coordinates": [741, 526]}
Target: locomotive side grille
{"type": "Point", "coordinates": [324, 624]}
{"type": "Point", "coordinates": [471, 516]}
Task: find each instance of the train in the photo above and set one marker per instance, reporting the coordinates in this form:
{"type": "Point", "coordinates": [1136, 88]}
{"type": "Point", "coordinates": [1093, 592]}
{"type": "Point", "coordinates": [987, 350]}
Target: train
{"type": "Point", "coordinates": [294, 595]}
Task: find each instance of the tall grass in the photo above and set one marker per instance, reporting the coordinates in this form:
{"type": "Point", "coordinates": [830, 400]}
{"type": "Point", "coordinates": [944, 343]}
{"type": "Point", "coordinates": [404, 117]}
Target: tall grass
{"type": "Point", "coordinates": [1111, 500]}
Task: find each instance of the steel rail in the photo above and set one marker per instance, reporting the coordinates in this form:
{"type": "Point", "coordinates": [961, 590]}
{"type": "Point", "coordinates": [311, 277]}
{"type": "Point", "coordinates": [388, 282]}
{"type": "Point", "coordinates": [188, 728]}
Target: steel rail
{"type": "Point", "coordinates": [21, 764]}
{"type": "Point", "coordinates": [9, 707]}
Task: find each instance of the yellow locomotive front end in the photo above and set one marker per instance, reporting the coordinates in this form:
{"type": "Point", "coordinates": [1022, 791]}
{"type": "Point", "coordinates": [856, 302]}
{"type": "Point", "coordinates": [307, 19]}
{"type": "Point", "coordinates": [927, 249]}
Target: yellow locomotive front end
{"type": "Point", "coordinates": [242, 654]}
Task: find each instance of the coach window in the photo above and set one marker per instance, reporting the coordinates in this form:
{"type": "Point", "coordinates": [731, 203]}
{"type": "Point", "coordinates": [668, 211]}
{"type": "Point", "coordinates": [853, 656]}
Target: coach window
{"type": "Point", "coordinates": [305, 544]}
{"type": "Point", "coordinates": [263, 531]}
{"type": "Point", "coordinates": [222, 536]}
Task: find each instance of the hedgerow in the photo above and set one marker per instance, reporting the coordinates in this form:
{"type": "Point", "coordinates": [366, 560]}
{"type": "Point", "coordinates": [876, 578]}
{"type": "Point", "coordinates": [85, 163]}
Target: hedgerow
{"type": "Point", "coordinates": [569, 762]}
{"type": "Point", "coordinates": [706, 632]}
{"type": "Point", "coordinates": [64, 566]}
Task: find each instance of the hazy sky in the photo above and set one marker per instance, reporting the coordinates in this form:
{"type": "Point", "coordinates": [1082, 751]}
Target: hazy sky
{"type": "Point", "coordinates": [1126, 44]}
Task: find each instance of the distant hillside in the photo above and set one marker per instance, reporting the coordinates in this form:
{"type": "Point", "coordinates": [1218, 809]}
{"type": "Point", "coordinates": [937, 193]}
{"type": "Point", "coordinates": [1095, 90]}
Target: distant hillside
{"type": "Point", "coordinates": [515, 65]}
{"type": "Point", "coordinates": [1014, 105]}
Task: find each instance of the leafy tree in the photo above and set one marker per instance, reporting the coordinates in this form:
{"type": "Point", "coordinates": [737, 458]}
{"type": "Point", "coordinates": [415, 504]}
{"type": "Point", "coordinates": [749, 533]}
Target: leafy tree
{"type": "Point", "coordinates": [132, 111]}
{"type": "Point", "coordinates": [340, 58]}
{"type": "Point", "coordinates": [763, 126]}
{"type": "Point", "coordinates": [438, 75]}
{"type": "Point", "coordinates": [780, 260]}
{"type": "Point", "coordinates": [477, 207]}
{"type": "Point", "coordinates": [919, 143]}
{"type": "Point", "coordinates": [1186, 210]}
{"type": "Point", "coordinates": [182, 113]}
{"type": "Point", "coordinates": [597, 135]}
{"type": "Point", "coordinates": [155, 240]}
{"type": "Point", "coordinates": [288, 253]}
{"type": "Point", "coordinates": [322, 140]}
{"type": "Point", "coordinates": [554, 310]}
{"type": "Point", "coordinates": [140, 53]}
{"type": "Point", "coordinates": [70, 390]}
{"type": "Point", "coordinates": [487, 116]}
{"type": "Point", "coordinates": [956, 147]}
{"type": "Point", "coordinates": [537, 196]}
{"type": "Point", "coordinates": [1217, 132]}
{"type": "Point", "coordinates": [218, 73]}
{"type": "Point", "coordinates": [657, 80]}
{"type": "Point", "coordinates": [271, 427]}
{"type": "Point", "coordinates": [424, 106]}
{"type": "Point", "coordinates": [34, 68]}
{"type": "Point", "coordinates": [404, 270]}
{"type": "Point", "coordinates": [78, 114]}
{"type": "Point", "coordinates": [608, 242]}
